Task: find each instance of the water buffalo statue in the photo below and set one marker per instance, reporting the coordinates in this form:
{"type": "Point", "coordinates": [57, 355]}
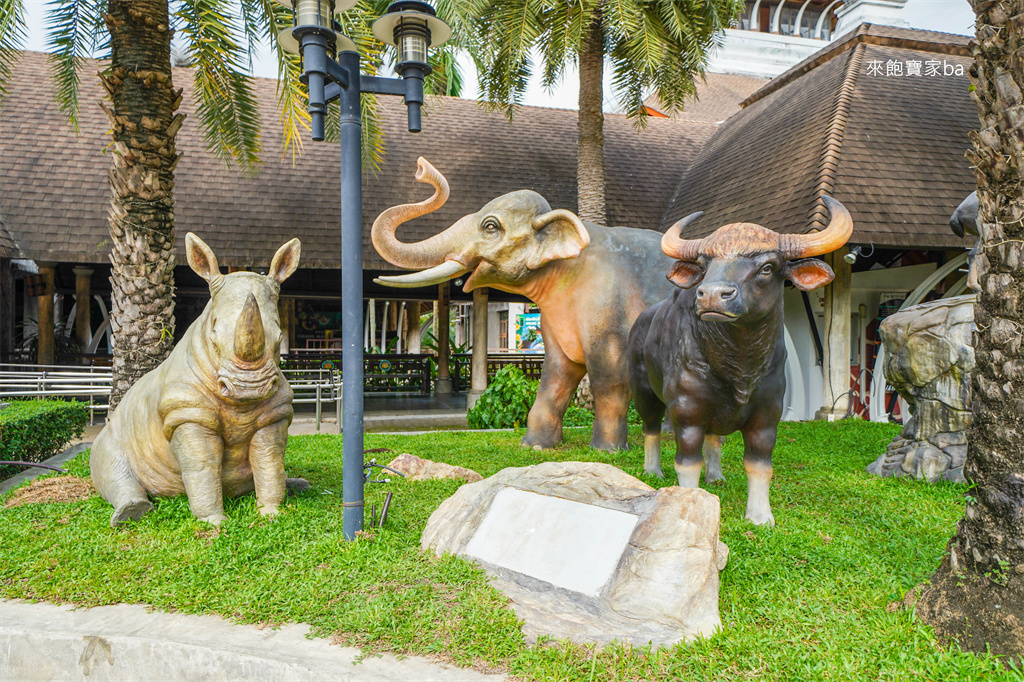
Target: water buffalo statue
{"type": "Point", "coordinates": [714, 352]}
{"type": "Point", "coordinates": [589, 281]}
{"type": "Point", "coordinates": [212, 419]}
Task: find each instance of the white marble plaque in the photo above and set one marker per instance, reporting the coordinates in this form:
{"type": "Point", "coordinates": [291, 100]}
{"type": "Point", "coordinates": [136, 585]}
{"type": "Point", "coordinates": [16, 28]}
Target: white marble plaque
{"type": "Point", "coordinates": [569, 544]}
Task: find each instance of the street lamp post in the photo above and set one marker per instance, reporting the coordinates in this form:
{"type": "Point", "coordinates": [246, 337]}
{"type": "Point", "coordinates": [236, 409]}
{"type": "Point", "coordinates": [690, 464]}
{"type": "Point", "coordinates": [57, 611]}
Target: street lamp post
{"type": "Point", "coordinates": [413, 29]}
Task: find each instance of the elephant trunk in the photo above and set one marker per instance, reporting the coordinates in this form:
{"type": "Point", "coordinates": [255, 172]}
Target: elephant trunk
{"type": "Point", "coordinates": [429, 252]}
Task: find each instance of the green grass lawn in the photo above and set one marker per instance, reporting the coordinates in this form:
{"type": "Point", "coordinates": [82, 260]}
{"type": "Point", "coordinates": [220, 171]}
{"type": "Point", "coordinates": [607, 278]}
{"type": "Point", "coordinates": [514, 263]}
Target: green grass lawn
{"type": "Point", "coordinates": [812, 599]}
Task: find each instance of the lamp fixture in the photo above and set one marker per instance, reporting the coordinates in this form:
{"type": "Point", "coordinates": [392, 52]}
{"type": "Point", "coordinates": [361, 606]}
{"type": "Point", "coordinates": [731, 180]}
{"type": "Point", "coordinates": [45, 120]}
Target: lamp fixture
{"type": "Point", "coordinates": [413, 28]}
{"type": "Point", "coordinates": [314, 16]}
{"type": "Point", "coordinates": [858, 252]}
{"type": "Point", "coordinates": [331, 69]}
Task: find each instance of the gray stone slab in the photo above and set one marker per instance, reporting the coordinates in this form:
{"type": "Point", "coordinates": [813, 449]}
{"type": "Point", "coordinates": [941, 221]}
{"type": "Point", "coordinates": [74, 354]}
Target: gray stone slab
{"type": "Point", "coordinates": [568, 544]}
{"type": "Point", "coordinates": [128, 642]}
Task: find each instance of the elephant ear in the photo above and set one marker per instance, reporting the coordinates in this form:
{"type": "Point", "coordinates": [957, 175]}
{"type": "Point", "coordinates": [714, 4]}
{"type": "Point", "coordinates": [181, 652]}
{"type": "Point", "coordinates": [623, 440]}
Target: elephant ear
{"type": "Point", "coordinates": [560, 234]}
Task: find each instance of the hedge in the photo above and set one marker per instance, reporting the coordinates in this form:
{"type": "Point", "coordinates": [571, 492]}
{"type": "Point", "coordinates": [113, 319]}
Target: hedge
{"type": "Point", "coordinates": [34, 430]}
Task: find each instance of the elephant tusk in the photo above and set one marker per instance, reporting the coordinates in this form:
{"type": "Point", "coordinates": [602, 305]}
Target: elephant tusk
{"type": "Point", "coordinates": [435, 275]}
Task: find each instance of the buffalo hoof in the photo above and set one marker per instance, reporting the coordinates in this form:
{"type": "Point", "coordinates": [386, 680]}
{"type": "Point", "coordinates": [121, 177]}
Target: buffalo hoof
{"type": "Point", "coordinates": [296, 485]}
{"type": "Point", "coordinates": [132, 511]}
{"type": "Point", "coordinates": [714, 479]}
{"type": "Point", "coordinates": [655, 472]}
{"type": "Point", "coordinates": [608, 447]}
{"type": "Point", "coordinates": [761, 518]}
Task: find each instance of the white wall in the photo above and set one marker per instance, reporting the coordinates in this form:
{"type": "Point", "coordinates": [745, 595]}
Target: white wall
{"type": "Point", "coordinates": [493, 309]}
{"type": "Point", "coordinates": [764, 55]}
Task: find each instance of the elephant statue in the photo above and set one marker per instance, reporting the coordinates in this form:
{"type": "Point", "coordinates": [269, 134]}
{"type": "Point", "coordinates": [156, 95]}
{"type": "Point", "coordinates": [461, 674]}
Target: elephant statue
{"type": "Point", "coordinates": [589, 281]}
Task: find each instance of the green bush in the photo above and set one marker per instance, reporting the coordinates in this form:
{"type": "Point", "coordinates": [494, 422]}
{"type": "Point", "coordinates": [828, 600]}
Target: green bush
{"type": "Point", "coordinates": [577, 416]}
{"type": "Point", "coordinates": [509, 397]}
{"type": "Point", "coordinates": [506, 402]}
{"type": "Point", "coordinates": [581, 416]}
{"type": "Point", "coordinates": [34, 430]}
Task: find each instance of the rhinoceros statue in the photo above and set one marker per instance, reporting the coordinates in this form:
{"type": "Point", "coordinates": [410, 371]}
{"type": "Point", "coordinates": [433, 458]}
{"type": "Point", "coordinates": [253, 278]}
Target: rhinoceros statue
{"type": "Point", "coordinates": [212, 419]}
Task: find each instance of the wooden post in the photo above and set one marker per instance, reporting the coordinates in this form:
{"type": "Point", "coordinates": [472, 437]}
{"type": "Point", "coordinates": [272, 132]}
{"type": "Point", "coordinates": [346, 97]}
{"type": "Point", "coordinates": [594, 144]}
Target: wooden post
{"type": "Point", "coordinates": [6, 309]}
{"type": "Point", "coordinates": [83, 308]}
{"type": "Point", "coordinates": [836, 340]}
{"type": "Point", "coordinates": [444, 378]}
{"type": "Point", "coordinates": [412, 311]}
{"type": "Point", "coordinates": [44, 324]}
{"type": "Point", "coordinates": [373, 324]}
{"type": "Point", "coordinates": [478, 371]}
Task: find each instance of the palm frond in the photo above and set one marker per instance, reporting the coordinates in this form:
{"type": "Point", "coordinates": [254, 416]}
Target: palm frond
{"type": "Point", "coordinates": [292, 99]}
{"type": "Point", "coordinates": [76, 28]}
{"type": "Point", "coordinates": [12, 37]}
{"type": "Point", "coordinates": [374, 148]}
{"type": "Point", "coordinates": [508, 32]}
{"type": "Point", "coordinates": [565, 23]}
{"type": "Point", "coordinates": [256, 15]}
{"type": "Point", "coordinates": [446, 78]}
{"type": "Point", "coordinates": [662, 46]}
{"type": "Point", "coordinates": [226, 103]}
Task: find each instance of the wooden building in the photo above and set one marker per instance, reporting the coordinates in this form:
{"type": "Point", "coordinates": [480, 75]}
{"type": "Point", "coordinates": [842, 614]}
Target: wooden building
{"type": "Point", "coordinates": [879, 120]}
{"type": "Point", "coordinates": [888, 142]}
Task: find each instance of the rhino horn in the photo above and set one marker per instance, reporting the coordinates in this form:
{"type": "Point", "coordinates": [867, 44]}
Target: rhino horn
{"type": "Point", "coordinates": [249, 338]}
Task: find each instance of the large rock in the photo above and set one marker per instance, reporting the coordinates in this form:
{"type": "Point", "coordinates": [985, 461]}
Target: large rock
{"type": "Point", "coordinates": [589, 553]}
{"type": "Point", "coordinates": [419, 469]}
{"type": "Point", "coordinates": [929, 358]}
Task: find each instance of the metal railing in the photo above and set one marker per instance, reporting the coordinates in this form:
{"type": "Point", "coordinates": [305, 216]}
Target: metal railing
{"type": "Point", "coordinates": [55, 381]}
{"type": "Point", "coordinates": [529, 363]}
{"type": "Point", "coordinates": [316, 385]}
{"type": "Point", "coordinates": [382, 373]}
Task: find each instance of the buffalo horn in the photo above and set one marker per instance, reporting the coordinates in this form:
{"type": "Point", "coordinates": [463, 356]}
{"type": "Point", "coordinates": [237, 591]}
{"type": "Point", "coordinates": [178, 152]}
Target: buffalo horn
{"type": "Point", "coordinates": [681, 249]}
{"type": "Point", "coordinates": [837, 233]}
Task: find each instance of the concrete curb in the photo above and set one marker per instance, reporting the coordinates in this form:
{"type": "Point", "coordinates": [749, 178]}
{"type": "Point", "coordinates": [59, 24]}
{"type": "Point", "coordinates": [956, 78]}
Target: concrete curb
{"type": "Point", "coordinates": [30, 473]}
{"type": "Point", "coordinates": [127, 642]}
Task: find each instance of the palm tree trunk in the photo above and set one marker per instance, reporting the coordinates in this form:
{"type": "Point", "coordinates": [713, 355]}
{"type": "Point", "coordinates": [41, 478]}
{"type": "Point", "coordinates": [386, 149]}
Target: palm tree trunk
{"type": "Point", "coordinates": [144, 126]}
{"type": "Point", "coordinates": [977, 594]}
{"type": "Point", "coordinates": [590, 146]}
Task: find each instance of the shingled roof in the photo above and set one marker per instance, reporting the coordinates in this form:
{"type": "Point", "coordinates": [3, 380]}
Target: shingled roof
{"type": "Point", "coordinates": [53, 184]}
{"type": "Point", "coordinates": [8, 249]}
{"type": "Point", "coordinates": [718, 97]}
{"type": "Point", "coordinates": [891, 148]}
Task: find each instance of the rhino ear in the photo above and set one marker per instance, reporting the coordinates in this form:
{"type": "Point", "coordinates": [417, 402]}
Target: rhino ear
{"type": "Point", "coordinates": [201, 258]}
{"type": "Point", "coordinates": [686, 274]}
{"type": "Point", "coordinates": [286, 260]}
{"type": "Point", "coordinates": [809, 273]}
{"type": "Point", "coordinates": [559, 234]}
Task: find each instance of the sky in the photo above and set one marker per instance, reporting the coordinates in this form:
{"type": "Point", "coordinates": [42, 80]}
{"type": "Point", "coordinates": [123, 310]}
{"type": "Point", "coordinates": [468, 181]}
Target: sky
{"type": "Point", "coordinates": [951, 16]}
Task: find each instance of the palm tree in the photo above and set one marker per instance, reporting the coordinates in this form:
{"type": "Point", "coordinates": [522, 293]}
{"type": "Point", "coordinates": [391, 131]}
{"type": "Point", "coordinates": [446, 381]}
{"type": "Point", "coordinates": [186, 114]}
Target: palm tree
{"type": "Point", "coordinates": [652, 45]}
{"type": "Point", "coordinates": [976, 597]}
{"type": "Point", "coordinates": [219, 41]}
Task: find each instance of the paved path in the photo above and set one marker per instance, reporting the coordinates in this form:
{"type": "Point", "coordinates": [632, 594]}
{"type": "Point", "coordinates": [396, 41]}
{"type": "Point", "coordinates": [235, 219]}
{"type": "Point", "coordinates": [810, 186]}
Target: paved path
{"type": "Point", "coordinates": [127, 642]}
{"type": "Point", "coordinates": [374, 422]}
